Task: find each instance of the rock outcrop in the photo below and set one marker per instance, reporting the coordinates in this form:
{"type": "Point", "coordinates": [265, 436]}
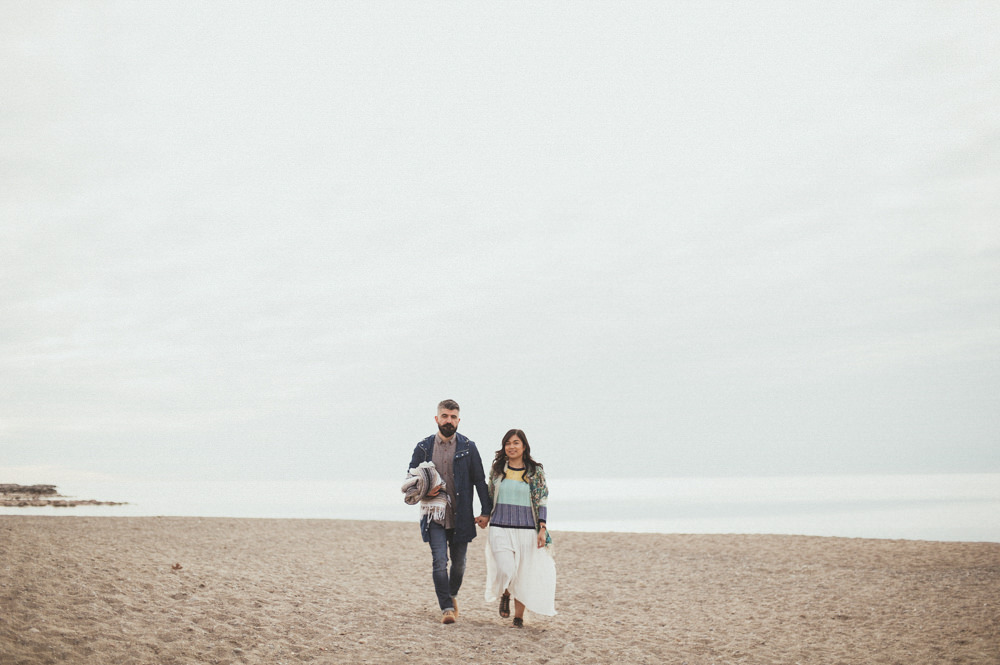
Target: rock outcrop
{"type": "Point", "coordinates": [30, 496]}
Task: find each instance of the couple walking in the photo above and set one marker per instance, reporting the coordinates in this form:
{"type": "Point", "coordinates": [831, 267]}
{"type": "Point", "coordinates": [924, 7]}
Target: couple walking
{"type": "Point", "coordinates": [513, 500]}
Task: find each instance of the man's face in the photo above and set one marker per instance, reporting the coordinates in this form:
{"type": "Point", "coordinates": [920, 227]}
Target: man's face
{"type": "Point", "coordinates": [447, 421]}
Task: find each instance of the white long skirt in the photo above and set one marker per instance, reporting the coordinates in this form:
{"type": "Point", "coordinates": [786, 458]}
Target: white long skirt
{"type": "Point", "coordinates": [515, 562]}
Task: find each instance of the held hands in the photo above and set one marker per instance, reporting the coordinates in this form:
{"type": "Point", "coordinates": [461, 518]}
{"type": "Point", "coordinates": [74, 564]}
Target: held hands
{"type": "Point", "coordinates": [482, 521]}
{"type": "Point", "coordinates": [541, 537]}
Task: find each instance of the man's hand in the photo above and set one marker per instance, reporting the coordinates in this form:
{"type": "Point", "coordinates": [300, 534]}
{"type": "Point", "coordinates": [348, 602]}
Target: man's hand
{"type": "Point", "coordinates": [434, 492]}
{"type": "Point", "coordinates": [482, 521]}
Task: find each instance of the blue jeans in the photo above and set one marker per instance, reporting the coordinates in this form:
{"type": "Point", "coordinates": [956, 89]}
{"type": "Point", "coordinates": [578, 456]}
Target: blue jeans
{"type": "Point", "coordinates": [446, 586]}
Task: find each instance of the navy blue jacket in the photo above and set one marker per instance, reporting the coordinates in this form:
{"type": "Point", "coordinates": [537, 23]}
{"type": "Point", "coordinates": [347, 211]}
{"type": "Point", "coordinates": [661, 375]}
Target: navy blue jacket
{"type": "Point", "coordinates": [467, 468]}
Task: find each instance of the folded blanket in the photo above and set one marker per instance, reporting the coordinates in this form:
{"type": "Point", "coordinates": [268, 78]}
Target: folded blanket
{"type": "Point", "coordinates": [418, 483]}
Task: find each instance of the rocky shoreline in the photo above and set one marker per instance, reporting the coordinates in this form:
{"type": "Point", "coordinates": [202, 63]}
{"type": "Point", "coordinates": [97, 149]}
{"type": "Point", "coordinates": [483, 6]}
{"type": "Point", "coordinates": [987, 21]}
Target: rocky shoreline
{"type": "Point", "coordinates": [33, 496]}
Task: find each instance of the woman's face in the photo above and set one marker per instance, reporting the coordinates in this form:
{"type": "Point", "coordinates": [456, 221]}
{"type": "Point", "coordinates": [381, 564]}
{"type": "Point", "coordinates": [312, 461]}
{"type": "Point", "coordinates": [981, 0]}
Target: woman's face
{"type": "Point", "coordinates": [514, 448]}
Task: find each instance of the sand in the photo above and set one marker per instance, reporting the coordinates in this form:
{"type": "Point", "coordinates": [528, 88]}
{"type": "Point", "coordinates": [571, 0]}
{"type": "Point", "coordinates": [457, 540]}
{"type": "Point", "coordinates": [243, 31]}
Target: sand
{"type": "Point", "coordinates": [118, 590]}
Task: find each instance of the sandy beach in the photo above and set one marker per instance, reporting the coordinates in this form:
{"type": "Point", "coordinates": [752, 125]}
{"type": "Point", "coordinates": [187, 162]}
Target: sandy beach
{"type": "Point", "coordinates": [122, 590]}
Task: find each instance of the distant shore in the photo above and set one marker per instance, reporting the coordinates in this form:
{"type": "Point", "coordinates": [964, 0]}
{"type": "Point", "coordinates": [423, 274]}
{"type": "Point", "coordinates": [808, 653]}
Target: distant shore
{"type": "Point", "coordinates": [33, 496]}
{"type": "Point", "coordinates": [94, 590]}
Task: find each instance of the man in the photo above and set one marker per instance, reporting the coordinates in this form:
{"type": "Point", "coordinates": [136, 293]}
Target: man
{"type": "Point", "coordinates": [457, 460]}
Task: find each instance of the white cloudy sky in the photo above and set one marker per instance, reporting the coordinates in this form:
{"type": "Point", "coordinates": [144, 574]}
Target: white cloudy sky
{"type": "Point", "coordinates": [262, 240]}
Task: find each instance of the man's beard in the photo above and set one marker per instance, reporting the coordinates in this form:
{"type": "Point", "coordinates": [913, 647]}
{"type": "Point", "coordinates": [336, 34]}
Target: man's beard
{"type": "Point", "coordinates": [447, 430]}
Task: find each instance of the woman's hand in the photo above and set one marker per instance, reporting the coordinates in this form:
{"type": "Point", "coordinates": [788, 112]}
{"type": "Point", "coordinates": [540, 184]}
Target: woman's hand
{"type": "Point", "coordinates": [541, 536]}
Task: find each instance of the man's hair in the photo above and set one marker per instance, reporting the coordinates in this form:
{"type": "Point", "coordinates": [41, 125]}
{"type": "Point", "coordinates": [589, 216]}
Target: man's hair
{"type": "Point", "coordinates": [449, 404]}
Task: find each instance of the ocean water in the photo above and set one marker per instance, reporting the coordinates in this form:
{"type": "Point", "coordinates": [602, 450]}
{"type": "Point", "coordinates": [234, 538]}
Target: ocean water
{"type": "Point", "coordinates": [953, 507]}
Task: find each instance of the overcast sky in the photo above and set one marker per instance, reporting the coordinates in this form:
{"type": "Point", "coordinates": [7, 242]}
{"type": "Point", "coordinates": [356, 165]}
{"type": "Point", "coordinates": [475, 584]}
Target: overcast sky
{"type": "Point", "coordinates": [263, 240]}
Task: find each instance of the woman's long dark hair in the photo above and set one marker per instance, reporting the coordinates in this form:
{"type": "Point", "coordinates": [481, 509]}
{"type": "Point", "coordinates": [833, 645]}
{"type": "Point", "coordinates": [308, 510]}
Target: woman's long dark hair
{"type": "Point", "coordinates": [500, 459]}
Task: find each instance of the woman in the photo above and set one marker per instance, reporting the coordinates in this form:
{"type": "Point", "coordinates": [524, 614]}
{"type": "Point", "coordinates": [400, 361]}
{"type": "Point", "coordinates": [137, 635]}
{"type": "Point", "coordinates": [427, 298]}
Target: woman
{"type": "Point", "coordinates": [519, 564]}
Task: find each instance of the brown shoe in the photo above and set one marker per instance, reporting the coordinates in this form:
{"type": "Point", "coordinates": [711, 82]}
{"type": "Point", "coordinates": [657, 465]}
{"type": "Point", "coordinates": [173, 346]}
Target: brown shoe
{"type": "Point", "coordinates": [448, 616]}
